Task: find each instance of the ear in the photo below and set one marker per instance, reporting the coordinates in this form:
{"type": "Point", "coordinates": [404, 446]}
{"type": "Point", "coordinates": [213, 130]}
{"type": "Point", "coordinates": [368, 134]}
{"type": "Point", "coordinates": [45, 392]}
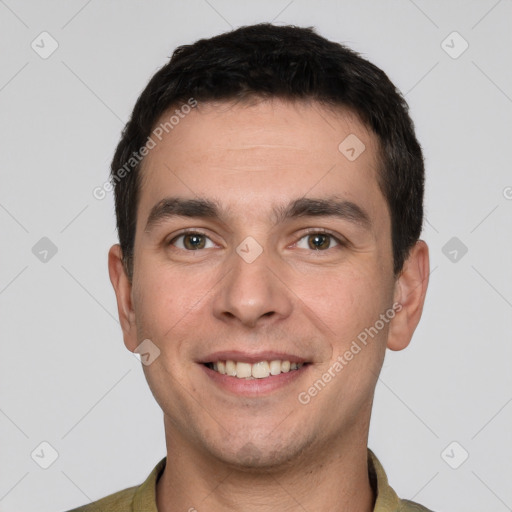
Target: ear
{"type": "Point", "coordinates": [123, 289]}
{"type": "Point", "coordinates": [410, 290]}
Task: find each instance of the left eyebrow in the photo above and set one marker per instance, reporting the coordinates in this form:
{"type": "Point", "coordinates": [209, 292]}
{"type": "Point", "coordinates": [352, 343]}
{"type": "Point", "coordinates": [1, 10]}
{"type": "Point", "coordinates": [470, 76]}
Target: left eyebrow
{"type": "Point", "coordinates": [302, 207]}
{"type": "Point", "coordinates": [325, 207]}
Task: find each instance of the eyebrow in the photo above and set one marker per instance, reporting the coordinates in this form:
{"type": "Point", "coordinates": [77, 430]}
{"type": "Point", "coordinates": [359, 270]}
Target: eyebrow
{"type": "Point", "coordinates": [303, 207]}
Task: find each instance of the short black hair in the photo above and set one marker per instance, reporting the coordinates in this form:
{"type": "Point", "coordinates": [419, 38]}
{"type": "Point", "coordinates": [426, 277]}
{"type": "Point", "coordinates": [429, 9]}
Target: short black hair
{"type": "Point", "coordinates": [289, 63]}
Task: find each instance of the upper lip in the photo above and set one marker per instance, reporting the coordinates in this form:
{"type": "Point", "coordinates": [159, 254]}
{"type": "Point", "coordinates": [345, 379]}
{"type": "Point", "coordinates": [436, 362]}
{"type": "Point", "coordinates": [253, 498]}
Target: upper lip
{"type": "Point", "coordinates": [251, 357]}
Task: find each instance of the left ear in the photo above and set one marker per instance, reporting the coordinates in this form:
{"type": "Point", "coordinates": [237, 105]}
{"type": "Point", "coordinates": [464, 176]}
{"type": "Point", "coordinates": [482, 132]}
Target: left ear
{"type": "Point", "coordinates": [410, 290]}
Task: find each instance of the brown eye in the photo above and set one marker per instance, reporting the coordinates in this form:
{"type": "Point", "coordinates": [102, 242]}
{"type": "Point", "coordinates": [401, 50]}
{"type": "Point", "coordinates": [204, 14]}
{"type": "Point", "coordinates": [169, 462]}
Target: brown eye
{"type": "Point", "coordinates": [318, 242]}
{"type": "Point", "coordinates": [192, 241]}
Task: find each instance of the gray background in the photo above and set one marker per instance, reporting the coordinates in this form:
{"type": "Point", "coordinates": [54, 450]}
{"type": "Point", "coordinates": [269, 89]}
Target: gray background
{"type": "Point", "coordinates": [65, 375]}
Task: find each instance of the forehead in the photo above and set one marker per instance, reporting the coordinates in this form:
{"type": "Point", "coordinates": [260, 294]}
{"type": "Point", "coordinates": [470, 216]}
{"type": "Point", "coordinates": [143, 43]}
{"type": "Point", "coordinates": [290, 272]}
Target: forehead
{"type": "Point", "coordinates": [248, 155]}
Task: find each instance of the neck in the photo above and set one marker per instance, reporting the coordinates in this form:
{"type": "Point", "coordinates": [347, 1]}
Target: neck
{"type": "Point", "coordinates": [335, 478]}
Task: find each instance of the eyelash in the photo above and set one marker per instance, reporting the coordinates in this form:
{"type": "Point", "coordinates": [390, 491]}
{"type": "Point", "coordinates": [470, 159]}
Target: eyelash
{"type": "Point", "coordinates": [309, 232]}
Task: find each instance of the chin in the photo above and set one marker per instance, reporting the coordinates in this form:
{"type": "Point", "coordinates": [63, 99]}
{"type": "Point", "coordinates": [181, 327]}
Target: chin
{"type": "Point", "coordinates": [257, 455]}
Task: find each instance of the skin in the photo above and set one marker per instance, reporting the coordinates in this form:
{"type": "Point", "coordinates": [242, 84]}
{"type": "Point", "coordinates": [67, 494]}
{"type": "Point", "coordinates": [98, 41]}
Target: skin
{"type": "Point", "coordinates": [269, 451]}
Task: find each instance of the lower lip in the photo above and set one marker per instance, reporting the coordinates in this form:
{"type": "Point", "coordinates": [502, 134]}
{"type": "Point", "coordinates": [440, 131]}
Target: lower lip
{"type": "Point", "coordinates": [254, 387]}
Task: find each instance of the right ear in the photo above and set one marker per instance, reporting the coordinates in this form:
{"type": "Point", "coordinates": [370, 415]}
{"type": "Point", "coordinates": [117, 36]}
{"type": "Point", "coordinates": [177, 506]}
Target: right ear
{"type": "Point", "coordinates": [410, 292]}
{"type": "Point", "coordinates": [123, 289]}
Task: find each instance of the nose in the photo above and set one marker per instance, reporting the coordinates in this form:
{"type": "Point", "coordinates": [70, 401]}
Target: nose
{"type": "Point", "coordinates": [252, 293]}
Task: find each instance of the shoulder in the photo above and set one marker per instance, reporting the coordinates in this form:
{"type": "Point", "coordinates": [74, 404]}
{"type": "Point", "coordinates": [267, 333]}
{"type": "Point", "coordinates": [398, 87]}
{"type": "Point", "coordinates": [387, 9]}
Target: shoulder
{"type": "Point", "coordinates": [410, 506]}
{"type": "Point", "coordinates": [138, 497]}
{"type": "Point", "coordinates": [386, 498]}
{"type": "Point", "coordinates": [120, 501]}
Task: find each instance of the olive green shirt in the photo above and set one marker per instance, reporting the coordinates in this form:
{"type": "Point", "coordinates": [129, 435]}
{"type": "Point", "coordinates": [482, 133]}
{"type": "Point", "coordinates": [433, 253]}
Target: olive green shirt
{"type": "Point", "coordinates": [142, 498]}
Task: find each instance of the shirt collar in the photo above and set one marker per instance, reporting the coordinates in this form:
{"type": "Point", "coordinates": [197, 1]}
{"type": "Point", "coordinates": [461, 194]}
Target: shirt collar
{"type": "Point", "coordinates": [386, 499]}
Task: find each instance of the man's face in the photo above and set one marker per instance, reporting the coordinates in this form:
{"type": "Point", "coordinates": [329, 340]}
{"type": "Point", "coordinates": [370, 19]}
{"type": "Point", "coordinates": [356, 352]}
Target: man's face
{"type": "Point", "coordinates": [292, 264]}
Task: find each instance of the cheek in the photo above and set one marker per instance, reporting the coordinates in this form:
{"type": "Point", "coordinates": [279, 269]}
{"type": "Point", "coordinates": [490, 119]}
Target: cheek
{"type": "Point", "coordinates": [159, 301]}
{"type": "Point", "coordinates": [166, 299]}
{"type": "Point", "coordinates": [347, 301]}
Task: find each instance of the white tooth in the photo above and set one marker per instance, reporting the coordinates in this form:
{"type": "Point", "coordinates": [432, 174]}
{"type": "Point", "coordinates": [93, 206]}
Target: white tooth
{"type": "Point", "coordinates": [300, 365]}
{"type": "Point", "coordinates": [221, 367]}
{"type": "Point", "coordinates": [243, 370]}
{"type": "Point", "coordinates": [293, 366]}
{"type": "Point", "coordinates": [231, 368]}
{"type": "Point", "coordinates": [275, 367]}
{"type": "Point", "coordinates": [285, 366]}
{"type": "Point", "coordinates": [260, 370]}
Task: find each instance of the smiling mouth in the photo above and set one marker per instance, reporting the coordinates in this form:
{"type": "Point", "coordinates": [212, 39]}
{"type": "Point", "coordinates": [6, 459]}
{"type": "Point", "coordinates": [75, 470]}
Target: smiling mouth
{"type": "Point", "coordinates": [260, 370]}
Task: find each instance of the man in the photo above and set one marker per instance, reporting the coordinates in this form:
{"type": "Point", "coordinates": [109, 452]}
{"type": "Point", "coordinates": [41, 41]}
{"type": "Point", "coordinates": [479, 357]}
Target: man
{"type": "Point", "coordinates": [269, 191]}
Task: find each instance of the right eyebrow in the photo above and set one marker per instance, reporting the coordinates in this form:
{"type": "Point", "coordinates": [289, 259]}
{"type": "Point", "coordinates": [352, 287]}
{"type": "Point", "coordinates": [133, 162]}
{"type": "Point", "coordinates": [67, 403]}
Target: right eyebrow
{"type": "Point", "coordinates": [174, 206]}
